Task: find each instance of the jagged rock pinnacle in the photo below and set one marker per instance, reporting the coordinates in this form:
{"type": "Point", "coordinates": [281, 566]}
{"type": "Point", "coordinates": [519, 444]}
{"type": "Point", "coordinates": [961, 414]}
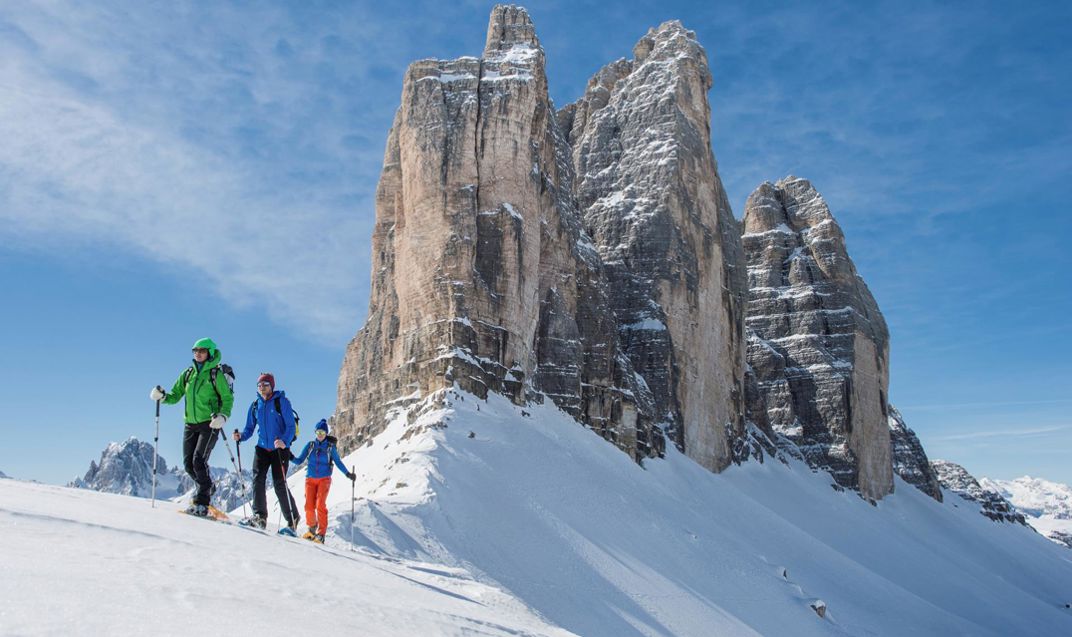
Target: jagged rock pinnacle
{"type": "Point", "coordinates": [509, 26]}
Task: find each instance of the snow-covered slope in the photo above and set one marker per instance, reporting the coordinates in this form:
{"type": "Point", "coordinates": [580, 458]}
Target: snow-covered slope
{"type": "Point", "coordinates": [478, 518]}
{"type": "Point", "coordinates": [1047, 505]}
{"type": "Point", "coordinates": [604, 547]}
{"type": "Point", "coordinates": [79, 562]}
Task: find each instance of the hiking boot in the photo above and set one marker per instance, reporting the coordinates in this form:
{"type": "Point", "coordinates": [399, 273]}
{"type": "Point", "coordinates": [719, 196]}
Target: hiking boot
{"type": "Point", "coordinates": [200, 510]}
{"type": "Point", "coordinates": [318, 538]}
{"type": "Point", "coordinates": [310, 534]}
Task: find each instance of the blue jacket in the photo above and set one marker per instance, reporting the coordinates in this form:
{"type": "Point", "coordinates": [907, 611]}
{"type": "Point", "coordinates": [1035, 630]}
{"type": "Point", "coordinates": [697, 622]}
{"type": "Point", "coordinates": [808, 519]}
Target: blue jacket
{"type": "Point", "coordinates": [321, 454]}
{"type": "Point", "coordinates": [270, 423]}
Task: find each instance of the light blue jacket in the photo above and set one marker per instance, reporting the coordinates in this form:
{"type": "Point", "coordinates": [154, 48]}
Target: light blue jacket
{"type": "Point", "coordinates": [321, 454]}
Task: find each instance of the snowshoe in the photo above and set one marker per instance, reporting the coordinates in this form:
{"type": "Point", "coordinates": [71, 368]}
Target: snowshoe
{"type": "Point", "coordinates": [199, 510]}
{"type": "Point", "coordinates": [254, 521]}
{"type": "Point", "coordinates": [318, 538]}
{"type": "Point", "coordinates": [287, 531]}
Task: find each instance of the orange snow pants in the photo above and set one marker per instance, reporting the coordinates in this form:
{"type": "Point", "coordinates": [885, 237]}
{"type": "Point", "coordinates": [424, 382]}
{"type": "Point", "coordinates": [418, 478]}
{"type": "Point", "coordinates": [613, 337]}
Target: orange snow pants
{"type": "Point", "coordinates": [316, 503]}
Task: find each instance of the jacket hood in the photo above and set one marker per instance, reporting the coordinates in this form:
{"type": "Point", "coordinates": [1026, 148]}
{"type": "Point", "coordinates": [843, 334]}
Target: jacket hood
{"type": "Point", "coordinates": [211, 362]}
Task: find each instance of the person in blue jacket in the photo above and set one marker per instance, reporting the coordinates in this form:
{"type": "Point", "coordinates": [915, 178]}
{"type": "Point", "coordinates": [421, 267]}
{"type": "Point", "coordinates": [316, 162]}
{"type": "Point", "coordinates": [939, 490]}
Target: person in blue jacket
{"type": "Point", "coordinates": [321, 453]}
{"type": "Point", "coordinates": [273, 417]}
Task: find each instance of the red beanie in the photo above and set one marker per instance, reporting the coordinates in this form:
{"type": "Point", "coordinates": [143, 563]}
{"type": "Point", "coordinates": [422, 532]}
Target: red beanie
{"type": "Point", "coordinates": [266, 377]}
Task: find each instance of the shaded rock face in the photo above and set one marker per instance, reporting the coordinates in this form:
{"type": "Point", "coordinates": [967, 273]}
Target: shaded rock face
{"type": "Point", "coordinates": [653, 203]}
{"type": "Point", "coordinates": [819, 347]}
{"type": "Point", "coordinates": [482, 273]}
{"type": "Point", "coordinates": [956, 478]}
{"type": "Point", "coordinates": [909, 460]}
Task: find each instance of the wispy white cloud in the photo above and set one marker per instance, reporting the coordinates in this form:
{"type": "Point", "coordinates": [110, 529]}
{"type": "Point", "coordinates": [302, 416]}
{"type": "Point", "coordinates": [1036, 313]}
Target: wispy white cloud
{"type": "Point", "coordinates": [1010, 433]}
{"type": "Point", "coordinates": [1006, 403]}
{"type": "Point", "coordinates": [199, 141]}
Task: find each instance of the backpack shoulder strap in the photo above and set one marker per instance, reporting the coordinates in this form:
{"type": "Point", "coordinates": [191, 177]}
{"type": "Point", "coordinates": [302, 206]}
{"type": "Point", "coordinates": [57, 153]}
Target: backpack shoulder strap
{"type": "Point", "coordinates": [253, 410]}
{"type": "Point", "coordinates": [187, 374]}
{"type": "Point", "coordinates": [212, 373]}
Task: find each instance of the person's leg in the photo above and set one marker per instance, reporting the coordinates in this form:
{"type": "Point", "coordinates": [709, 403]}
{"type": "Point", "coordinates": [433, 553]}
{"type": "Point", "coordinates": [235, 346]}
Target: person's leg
{"type": "Point", "coordinates": [322, 505]}
{"type": "Point", "coordinates": [310, 502]}
{"type": "Point", "coordinates": [279, 481]}
{"type": "Point", "coordinates": [261, 464]}
{"type": "Point", "coordinates": [205, 442]}
{"type": "Point", "coordinates": [189, 443]}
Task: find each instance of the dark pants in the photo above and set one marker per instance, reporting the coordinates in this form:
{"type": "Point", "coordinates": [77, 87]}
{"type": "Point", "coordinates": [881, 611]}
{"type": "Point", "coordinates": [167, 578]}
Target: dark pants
{"type": "Point", "coordinates": [262, 462]}
{"type": "Point", "coordinates": [197, 443]}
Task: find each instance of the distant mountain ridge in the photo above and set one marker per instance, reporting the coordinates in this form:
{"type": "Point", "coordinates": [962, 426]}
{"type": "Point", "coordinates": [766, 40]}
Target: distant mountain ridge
{"type": "Point", "coordinates": [126, 468]}
{"type": "Point", "coordinates": [1046, 505]}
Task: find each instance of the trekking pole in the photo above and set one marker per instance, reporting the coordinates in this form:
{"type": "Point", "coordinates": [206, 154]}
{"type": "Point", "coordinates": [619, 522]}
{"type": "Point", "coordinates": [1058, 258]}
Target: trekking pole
{"type": "Point", "coordinates": [237, 467]}
{"type": "Point", "coordinates": [353, 492]}
{"type": "Point", "coordinates": [156, 450]}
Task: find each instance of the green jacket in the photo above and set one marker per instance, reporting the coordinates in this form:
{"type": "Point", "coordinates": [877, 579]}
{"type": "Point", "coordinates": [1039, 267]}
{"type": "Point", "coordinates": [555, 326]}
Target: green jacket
{"type": "Point", "coordinates": [201, 400]}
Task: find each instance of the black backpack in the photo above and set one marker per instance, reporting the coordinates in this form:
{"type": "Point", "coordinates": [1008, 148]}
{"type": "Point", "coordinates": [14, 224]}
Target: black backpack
{"type": "Point", "coordinates": [279, 410]}
{"type": "Point", "coordinates": [213, 374]}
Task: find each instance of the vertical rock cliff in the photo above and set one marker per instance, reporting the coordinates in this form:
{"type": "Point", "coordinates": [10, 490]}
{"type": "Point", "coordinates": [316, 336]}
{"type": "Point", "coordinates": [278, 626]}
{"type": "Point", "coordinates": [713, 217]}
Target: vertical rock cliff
{"type": "Point", "coordinates": [482, 273]}
{"type": "Point", "coordinates": [821, 348]}
{"type": "Point", "coordinates": [909, 460]}
{"type": "Point", "coordinates": [652, 200]}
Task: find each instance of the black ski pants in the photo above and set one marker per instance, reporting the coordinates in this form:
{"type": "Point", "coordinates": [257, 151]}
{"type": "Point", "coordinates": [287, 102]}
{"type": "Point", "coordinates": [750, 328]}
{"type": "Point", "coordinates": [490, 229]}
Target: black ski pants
{"type": "Point", "coordinates": [272, 459]}
{"type": "Point", "coordinates": [197, 443]}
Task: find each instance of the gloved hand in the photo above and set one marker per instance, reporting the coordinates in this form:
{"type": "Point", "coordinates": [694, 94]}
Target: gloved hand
{"type": "Point", "coordinates": [279, 444]}
{"type": "Point", "coordinates": [157, 393]}
{"type": "Point", "coordinates": [352, 476]}
{"type": "Point", "coordinates": [237, 436]}
{"type": "Point", "coordinates": [218, 421]}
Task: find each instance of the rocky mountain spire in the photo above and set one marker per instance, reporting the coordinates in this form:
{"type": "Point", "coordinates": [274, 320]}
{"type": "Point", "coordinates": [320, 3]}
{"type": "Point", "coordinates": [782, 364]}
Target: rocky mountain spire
{"type": "Point", "coordinates": [648, 186]}
{"type": "Point", "coordinates": [482, 273]}
{"type": "Point", "coordinates": [822, 355]}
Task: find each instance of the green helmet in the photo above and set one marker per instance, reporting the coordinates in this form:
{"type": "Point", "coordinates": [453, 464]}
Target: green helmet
{"type": "Point", "coordinates": [206, 343]}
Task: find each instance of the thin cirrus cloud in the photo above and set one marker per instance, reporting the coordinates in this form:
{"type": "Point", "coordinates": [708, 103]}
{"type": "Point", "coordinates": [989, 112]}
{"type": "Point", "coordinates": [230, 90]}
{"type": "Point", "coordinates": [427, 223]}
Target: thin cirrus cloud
{"type": "Point", "coordinates": [1004, 433]}
{"type": "Point", "coordinates": [233, 155]}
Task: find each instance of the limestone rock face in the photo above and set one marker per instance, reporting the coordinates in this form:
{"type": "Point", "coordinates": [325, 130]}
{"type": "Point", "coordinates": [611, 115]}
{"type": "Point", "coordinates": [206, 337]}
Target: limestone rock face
{"type": "Point", "coordinates": [653, 203]}
{"type": "Point", "coordinates": [956, 478]}
{"type": "Point", "coordinates": [820, 351]}
{"type": "Point", "coordinates": [909, 460]}
{"type": "Point", "coordinates": [482, 273]}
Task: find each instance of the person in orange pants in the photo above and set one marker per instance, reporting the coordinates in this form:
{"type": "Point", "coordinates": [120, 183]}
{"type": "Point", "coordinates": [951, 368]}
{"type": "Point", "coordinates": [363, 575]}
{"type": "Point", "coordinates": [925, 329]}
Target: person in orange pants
{"type": "Point", "coordinates": [321, 454]}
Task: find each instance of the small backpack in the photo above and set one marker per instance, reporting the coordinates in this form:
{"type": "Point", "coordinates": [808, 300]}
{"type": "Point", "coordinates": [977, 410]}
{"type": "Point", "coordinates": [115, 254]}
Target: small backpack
{"type": "Point", "coordinates": [279, 410]}
{"type": "Point", "coordinates": [228, 375]}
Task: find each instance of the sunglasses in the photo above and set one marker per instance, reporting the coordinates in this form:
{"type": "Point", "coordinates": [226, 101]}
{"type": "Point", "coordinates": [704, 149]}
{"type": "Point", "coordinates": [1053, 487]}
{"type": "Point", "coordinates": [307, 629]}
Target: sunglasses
{"type": "Point", "coordinates": [200, 350]}
{"type": "Point", "coordinates": [264, 384]}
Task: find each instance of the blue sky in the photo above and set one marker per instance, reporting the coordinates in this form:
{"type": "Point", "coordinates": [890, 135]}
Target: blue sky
{"type": "Point", "coordinates": [176, 170]}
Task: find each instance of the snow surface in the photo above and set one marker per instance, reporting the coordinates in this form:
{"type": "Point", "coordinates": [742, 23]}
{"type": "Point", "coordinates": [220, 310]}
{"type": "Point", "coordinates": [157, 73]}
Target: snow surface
{"type": "Point", "coordinates": [601, 546]}
{"type": "Point", "coordinates": [480, 518]}
{"type": "Point", "coordinates": [79, 562]}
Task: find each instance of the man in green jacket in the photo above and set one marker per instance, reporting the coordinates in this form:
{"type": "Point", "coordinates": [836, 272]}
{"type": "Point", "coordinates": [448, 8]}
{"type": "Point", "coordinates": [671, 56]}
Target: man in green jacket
{"type": "Point", "coordinates": [209, 399]}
